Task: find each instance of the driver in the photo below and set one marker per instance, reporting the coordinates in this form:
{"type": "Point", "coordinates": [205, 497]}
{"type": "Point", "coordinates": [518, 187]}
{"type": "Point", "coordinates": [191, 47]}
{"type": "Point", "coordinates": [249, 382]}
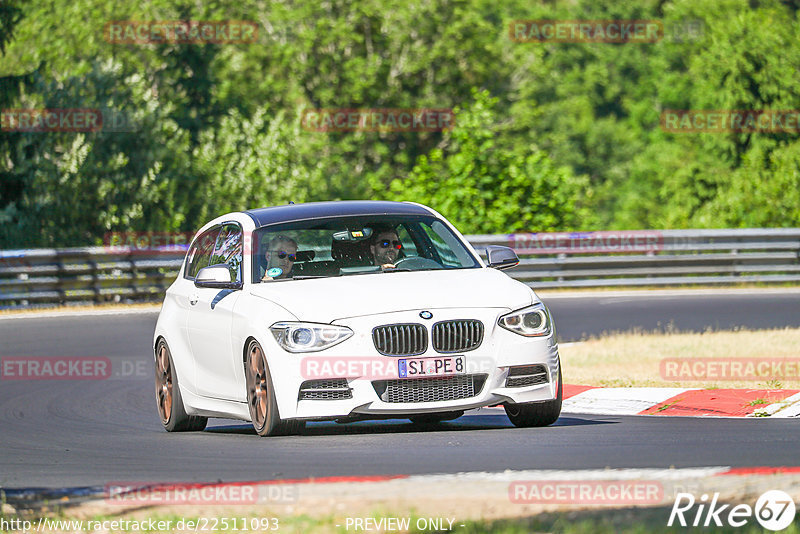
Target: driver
{"type": "Point", "coordinates": [385, 247]}
{"type": "Point", "coordinates": [281, 254]}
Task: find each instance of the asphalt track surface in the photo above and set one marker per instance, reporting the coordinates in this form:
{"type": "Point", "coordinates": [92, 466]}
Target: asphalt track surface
{"type": "Point", "coordinates": [72, 433]}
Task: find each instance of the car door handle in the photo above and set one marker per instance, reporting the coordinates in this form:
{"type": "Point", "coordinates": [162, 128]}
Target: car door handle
{"type": "Point", "coordinates": [193, 299]}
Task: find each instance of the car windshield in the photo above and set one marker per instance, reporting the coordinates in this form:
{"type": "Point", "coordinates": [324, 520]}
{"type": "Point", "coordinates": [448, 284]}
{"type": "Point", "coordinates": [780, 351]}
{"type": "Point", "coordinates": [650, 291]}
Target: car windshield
{"type": "Point", "coordinates": [345, 246]}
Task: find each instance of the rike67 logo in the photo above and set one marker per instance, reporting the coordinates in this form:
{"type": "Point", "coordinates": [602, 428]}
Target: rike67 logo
{"type": "Point", "coordinates": [774, 510]}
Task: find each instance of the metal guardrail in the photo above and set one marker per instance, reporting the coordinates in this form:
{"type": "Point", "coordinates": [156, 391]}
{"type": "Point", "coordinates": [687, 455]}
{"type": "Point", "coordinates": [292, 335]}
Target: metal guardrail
{"type": "Point", "coordinates": [547, 260]}
{"type": "Point", "coordinates": [91, 274]}
{"type": "Point", "coordinates": [653, 257]}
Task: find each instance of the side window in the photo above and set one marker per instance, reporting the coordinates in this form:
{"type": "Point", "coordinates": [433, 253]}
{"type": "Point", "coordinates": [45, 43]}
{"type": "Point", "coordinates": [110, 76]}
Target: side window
{"type": "Point", "coordinates": [200, 253]}
{"type": "Point", "coordinates": [228, 250]}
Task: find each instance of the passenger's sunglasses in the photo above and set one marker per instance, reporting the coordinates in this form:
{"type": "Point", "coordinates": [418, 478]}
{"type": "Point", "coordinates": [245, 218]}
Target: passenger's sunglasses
{"type": "Point", "coordinates": [282, 254]}
{"type": "Point", "coordinates": [386, 244]}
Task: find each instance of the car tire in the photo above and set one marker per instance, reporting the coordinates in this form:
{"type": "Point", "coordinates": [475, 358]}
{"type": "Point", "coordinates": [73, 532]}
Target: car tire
{"type": "Point", "coordinates": [290, 427]}
{"type": "Point", "coordinates": [168, 395]}
{"type": "Point", "coordinates": [533, 414]}
{"type": "Point", "coordinates": [435, 418]}
{"type": "Point", "coordinates": [261, 398]}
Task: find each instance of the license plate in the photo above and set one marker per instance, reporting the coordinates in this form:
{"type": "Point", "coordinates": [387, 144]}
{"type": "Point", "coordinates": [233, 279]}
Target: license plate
{"type": "Point", "coordinates": [420, 367]}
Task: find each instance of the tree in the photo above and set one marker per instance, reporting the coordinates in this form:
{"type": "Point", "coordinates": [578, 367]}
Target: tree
{"type": "Point", "coordinates": [486, 187]}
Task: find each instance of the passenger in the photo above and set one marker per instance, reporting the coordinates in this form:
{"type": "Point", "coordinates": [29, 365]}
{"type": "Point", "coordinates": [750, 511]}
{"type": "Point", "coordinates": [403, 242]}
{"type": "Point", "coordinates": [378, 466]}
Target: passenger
{"type": "Point", "coordinates": [281, 254]}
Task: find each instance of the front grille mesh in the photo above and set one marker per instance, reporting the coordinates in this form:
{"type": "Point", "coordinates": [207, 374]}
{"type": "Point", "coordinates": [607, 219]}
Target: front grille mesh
{"type": "Point", "coordinates": [526, 375]}
{"type": "Point", "coordinates": [457, 336]}
{"type": "Point", "coordinates": [400, 339]}
{"type": "Point", "coordinates": [328, 389]}
{"type": "Point", "coordinates": [429, 389]}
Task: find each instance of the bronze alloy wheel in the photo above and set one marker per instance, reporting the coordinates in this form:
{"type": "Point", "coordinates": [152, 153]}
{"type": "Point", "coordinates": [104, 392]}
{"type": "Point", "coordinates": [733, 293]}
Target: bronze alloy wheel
{"type": "Point", "coordinates": [163, 384]}
{"type": "Point", "coordinates": [168, 395]}
{"type": "Point", "coordinates": [257, 385]}
{"type": "Point", "coordinates": [261, 396]}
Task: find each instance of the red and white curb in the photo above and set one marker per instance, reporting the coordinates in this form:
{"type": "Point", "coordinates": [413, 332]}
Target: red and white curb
{"type": "Point", "coordinates": [774, 403]}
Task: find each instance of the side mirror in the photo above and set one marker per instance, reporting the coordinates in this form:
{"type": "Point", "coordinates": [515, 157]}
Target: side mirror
{"type": "Point", "coordinates": [216, 277]}
{"type": "Point", "coordinates": [500, 257]}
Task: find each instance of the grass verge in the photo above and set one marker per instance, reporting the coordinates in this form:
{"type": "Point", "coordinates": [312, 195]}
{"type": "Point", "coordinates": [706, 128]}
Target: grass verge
{"type": "Point", "coordinates": [634, 359]}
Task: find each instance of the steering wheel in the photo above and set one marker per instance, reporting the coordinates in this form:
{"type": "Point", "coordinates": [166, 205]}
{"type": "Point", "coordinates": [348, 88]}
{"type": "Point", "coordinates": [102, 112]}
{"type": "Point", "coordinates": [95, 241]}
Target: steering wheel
{"type": "Point", "coordinates": [417, 262]}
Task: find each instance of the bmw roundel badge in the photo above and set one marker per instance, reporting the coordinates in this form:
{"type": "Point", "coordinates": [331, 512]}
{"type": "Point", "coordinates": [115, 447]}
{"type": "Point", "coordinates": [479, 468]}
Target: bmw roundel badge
{"type": "Point", "coordinates": [425, 314]}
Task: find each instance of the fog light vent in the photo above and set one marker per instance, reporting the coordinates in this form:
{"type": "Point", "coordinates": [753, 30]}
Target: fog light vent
{"type": "Point", "coordinates": [329, 389]}
{"type": "Point", "coordinates": [526, 375]}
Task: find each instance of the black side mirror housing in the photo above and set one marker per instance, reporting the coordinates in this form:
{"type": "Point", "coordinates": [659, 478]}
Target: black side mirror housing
{"type": "Point", "coordinates": [501, 257]}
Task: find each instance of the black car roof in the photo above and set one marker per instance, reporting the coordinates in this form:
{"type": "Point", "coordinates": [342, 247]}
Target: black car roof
{"type": "Point", "coordinates": [315, 210]}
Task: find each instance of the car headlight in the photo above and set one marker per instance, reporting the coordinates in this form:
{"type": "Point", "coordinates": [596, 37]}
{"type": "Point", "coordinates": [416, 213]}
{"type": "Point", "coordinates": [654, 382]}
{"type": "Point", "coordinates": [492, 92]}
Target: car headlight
{"type": "Point", "coordinates": [532, 321]}
{"type": "Point", "coordinates": [308, 337]}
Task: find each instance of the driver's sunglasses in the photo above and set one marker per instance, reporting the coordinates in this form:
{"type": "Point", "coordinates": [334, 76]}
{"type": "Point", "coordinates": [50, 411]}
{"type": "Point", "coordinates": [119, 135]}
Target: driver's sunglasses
{"type": "Point", "coordinates": [386, 244]}
{"type": "Point", "coordinates": [283, 254]}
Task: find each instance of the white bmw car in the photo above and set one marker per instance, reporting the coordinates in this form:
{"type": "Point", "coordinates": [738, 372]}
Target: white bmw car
{"type": "Point", "coordinates": [345, 311]}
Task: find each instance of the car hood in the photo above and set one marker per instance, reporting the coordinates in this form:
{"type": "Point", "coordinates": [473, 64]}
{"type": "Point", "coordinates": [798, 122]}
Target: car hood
{"type": "Point", "coordinates": [324, 300]}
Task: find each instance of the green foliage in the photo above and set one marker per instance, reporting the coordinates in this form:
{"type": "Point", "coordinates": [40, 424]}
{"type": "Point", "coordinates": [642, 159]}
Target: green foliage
{"type": "Point", "coordinates": [483, 186]}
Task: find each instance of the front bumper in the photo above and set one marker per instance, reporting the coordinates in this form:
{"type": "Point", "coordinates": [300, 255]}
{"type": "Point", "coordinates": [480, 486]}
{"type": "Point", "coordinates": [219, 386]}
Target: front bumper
{"type": "Point", "coordinates": [499, 352]}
